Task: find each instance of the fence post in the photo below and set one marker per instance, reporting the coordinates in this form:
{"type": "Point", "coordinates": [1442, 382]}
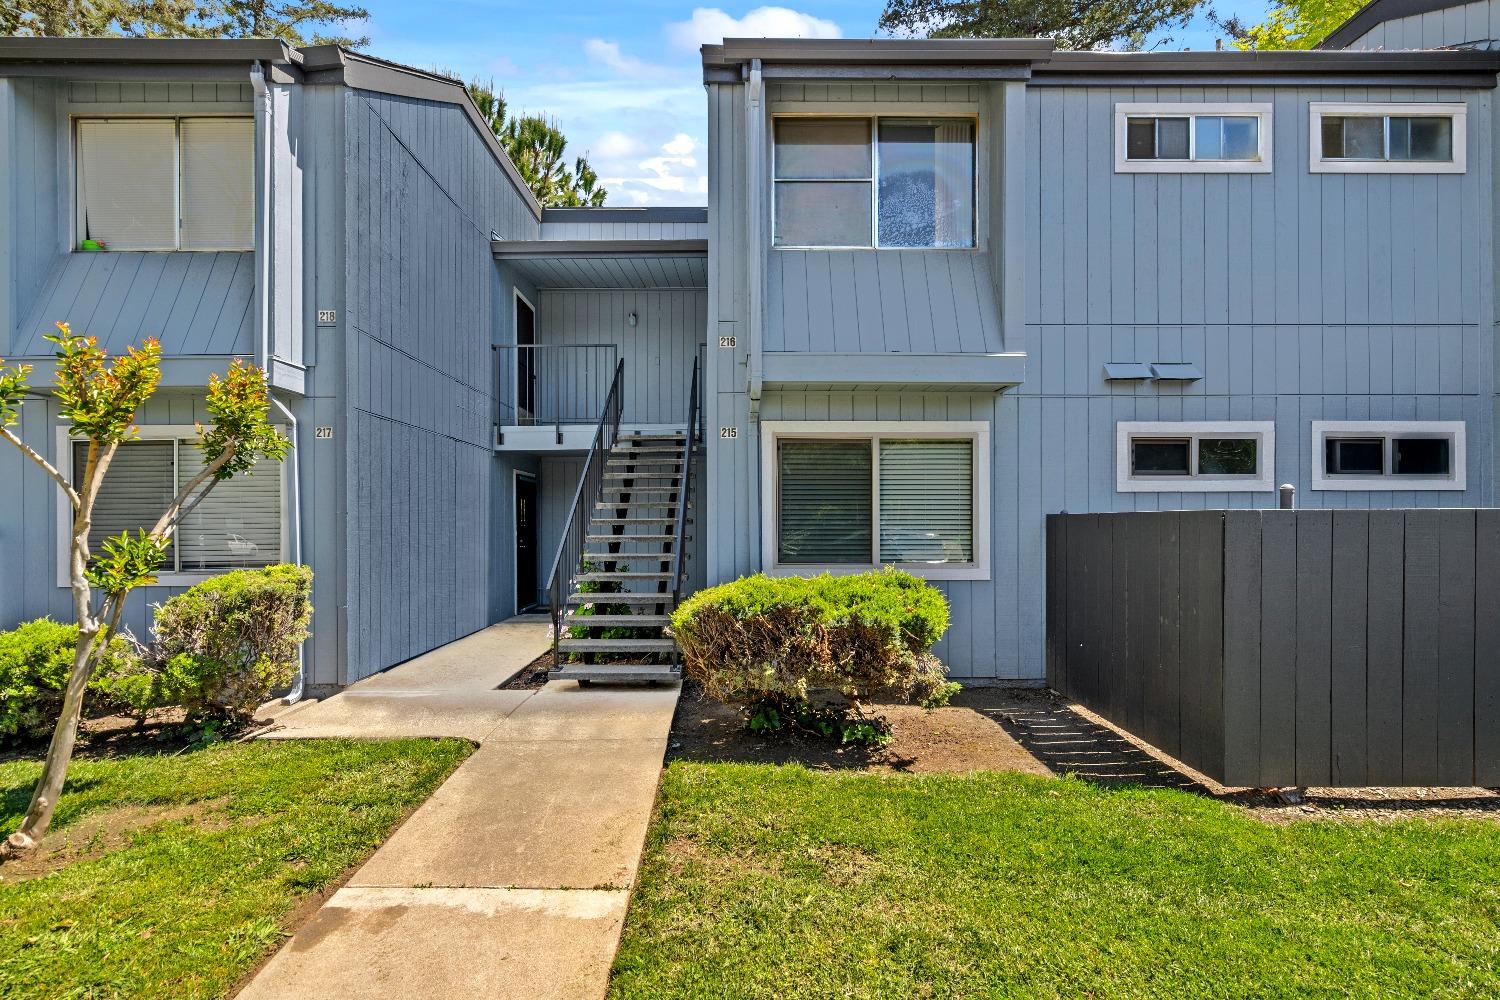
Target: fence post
{"type": "Point", "coordinates": [1288, 496]}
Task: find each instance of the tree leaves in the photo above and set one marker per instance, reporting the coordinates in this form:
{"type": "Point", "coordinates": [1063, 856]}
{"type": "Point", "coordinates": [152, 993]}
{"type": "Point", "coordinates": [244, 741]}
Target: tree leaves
{"type": "Point", "coordinates": [294, 21]}
{"type": "Point", "coordinates": [1074, 24]}
{"type": "Point", "coordinates": [536, 146]}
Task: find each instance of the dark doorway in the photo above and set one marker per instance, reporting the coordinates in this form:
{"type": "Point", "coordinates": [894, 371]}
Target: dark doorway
{"type": "Point", "coordinates": [525, 361]}
{"type": "Point", "coordinates": [526, 548]}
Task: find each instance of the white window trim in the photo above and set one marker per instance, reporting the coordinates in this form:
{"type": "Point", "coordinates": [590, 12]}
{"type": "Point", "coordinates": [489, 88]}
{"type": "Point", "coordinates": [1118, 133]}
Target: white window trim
{"type": "Point", "coordinates": [874, 118]}
{"type": "Point", "coordinates": [177, 119]}
{"type": "Point", "coordinates": [1316, 164]}
{"type": "Point", "coordinates": [1260, 165]}
{"type": "Point", "coordinates": [1264, 431]}
{"type": "Point", "coordinates": [147, 432]}
{"type": "Point", "coordinates": [978, 431]}
{"type": "Point", "coordinates": [1455, 430]}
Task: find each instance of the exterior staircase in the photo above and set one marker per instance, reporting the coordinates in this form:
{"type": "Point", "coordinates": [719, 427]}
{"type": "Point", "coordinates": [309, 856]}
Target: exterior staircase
{"type": "Point", "coordinates": [616, 617]}
{"type": "Point", "coordinates": [622, 559]}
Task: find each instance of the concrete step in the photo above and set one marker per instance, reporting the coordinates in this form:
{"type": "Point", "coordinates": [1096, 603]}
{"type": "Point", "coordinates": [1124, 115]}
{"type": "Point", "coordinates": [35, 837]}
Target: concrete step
{"type": "Point", "coordinates": [611, 621]}
{"type": "Point", "coordinates": [619, 673]}
{"type": "Point", "coordinates": [624, 598]}
{"type": "Point", "coordinates": [569, 645]}
{"type": "Point", "coordinates": [643, 450]}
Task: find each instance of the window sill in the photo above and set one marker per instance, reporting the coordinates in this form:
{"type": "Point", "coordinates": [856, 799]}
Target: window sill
{"type": "Point", "coordinates": [1389, 484]}
{"type": "Point", "coordinates": [1193, 167]}
{"type": "Point", "coordinates": [926, 571]}
{"type": "Point", "coordinates": [817, 249]}
{"type": "Point", "coordinates": [1189, 484]}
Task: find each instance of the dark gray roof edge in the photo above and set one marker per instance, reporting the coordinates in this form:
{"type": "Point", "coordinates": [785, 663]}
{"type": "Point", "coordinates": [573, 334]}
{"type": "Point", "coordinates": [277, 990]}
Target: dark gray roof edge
{"type": "Point", "coordinates": [546, 249]}
{"type": "Point", "coordinates": [147, 50]}
{"type": "Point", "coordinates": [1301, 62]}
{"type": "Point", "coordinates": [674, 213]}
{"type": "Point", "coordinates": [1377, 11]}
{"type": "Point", "coordinates": [877, 50]}
{"type": "Point", "coordinates": [332, 64]}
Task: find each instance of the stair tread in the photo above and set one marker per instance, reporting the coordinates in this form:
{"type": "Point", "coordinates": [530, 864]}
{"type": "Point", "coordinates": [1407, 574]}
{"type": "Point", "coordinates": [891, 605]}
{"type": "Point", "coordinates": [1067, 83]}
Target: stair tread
{"type": "Point", "coordinates": [621, 645]}
{"type": "Point", "coordinates": [628, 621]}
{"type": "Point", "coordinates": [600, 575]}
{"type": "Point", "coordinates": [622, 673]}
{"type": "Point", "coordinates": [630, 538]}
{"type": "Point", "coordinates": [634, 520]}
{"type": "Point", "coordinates": [627, 597]}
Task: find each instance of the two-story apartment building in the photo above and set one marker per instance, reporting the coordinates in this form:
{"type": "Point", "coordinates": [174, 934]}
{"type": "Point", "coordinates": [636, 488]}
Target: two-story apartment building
{"type": "Point", "coordinates": [941, 289]}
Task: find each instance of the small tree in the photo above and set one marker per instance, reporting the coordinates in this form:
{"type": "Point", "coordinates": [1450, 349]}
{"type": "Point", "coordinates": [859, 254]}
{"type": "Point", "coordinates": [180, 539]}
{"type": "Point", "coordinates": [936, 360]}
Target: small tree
{"type": "Point", "coordinates": [100, 398]}
{"type": "Point", "coordinates": [1074, 24]}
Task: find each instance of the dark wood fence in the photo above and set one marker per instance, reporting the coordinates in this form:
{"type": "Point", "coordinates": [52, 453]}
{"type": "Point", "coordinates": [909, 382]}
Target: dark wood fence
{"type": "Point", "coordinates": [1276, 648]}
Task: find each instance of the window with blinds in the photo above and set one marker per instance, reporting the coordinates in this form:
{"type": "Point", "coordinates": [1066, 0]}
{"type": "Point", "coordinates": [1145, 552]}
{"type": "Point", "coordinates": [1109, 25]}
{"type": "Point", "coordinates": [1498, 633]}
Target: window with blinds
{"type": "Point", "coordinates": [238, 525]}
{"type": "Point", "coordinates": [926, 501]}
{"type": "Point", "coordinates": [875, 500]}
{"type": "Point", "coordinates": [167, 183]}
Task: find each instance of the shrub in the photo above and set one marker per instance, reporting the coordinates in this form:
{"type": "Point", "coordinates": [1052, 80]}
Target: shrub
{"type": "Point", "coordinates": [35, 660]}
{"type": "Point", "coordinates": [228, 644]}
{"type": "Point", "coordinates": [767, 644]}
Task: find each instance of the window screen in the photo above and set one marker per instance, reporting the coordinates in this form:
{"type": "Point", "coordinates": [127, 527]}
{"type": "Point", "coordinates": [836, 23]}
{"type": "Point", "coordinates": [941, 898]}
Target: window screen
{"type": "Point", "coordinates": [237, 525]}
{"type": "Point", "coordinates": [824, 502]}
{"type": "Point", "coordinates": [823, 172]}
{"type": "Point", "coordinates": [138, 485]}
{"type": "Point", "coordinates": [926, 183]}
{"type": "Point", "coordinates": [1402, 138]}
{"type": "Point", "coordinates": [926, 501]}
{"type": "Point", "coordinates": [218, 193]}
{"type": "Point", "coordinates": [127, 178]}
{"type": "Point", "coordinates": [1355, 456]}
{"type": "Point", "coordinates": [1160, 458]}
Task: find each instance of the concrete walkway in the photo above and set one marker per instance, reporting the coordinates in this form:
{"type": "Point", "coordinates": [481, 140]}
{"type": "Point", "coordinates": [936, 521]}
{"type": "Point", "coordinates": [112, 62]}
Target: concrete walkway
{"type": "Point", "coordinates": [513, 879]}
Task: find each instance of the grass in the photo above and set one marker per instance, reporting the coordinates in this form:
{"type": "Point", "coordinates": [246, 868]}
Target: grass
{"type": "Point", "coordinates": [186, 867]}
{"type": "Point", "coordinates": [783, 882]}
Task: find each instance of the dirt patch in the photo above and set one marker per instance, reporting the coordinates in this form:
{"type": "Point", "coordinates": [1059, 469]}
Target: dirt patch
{"type": "Point", "coordinates": [532, 676]}
{"type": "Point", "coordinates": [1032, 731]}
{"type": "Point", "coordinates": [99, 833]}
{"type": "Point", "coordinates": [952, 740]}
{"type": "Point", "coordinates": [105, 736]}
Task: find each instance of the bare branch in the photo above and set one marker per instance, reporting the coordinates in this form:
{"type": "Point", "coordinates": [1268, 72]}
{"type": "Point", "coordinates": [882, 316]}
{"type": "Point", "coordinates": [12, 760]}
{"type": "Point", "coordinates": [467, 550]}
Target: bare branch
{"type": "Point", "coordinates": [47, 467]}
{"type": "Point", "coordinates": [175, 511]}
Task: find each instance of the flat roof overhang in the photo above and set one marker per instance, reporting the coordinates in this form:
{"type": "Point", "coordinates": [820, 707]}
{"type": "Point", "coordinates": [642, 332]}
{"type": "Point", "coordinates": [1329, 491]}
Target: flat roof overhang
{"type": "Point", "coordinates": [144, 58]}
{"type": "Point", "coordinates": [909, 372]}
{"type": "Point", "coordinates": [642, 264]}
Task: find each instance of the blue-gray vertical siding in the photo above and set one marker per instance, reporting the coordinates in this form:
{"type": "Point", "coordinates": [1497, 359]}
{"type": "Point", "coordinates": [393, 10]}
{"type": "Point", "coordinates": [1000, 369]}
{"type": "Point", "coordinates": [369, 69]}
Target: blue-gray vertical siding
{"type": "Point", "coordinates": [658, 351]}
{"type": "Point", "coordinates": [1461, 24]}
{"type": "Point", "coordinates": [33, 185]}
{"type": "Point", "coordinates": [1301, 296]}
{"type": "Point", "coordinates": [423, 195]}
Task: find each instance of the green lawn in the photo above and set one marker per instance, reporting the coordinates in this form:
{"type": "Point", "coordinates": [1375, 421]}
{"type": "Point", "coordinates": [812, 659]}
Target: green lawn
{"type": "Point", "coordinates": [183, 906]}
{"type": "Point", "coordinates": [782, 882]}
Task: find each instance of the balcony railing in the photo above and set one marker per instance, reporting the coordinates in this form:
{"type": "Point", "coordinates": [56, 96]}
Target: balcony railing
{"type": "Point", "coordinates": [551, 384]}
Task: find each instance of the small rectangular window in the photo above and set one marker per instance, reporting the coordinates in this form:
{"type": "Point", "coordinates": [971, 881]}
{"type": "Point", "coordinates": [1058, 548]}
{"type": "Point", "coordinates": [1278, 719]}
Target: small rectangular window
{"type": "Point", "coordinates": [1209, 456]}
{"type": "Point", "coordinates": [823, 496]}
{"type": "Point", "coordinates": [1388, 138]}
{"type": "Point", "coordinates": [1192, 138]}
{"type": "Point", "coordinates": [1389, 455]}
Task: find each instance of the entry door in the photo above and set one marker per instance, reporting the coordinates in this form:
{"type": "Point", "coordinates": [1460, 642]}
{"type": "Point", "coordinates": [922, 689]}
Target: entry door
{"type": "Point", "coordinates": [526, 361]}
{"type": "Point", "coordinates": [526, 548]}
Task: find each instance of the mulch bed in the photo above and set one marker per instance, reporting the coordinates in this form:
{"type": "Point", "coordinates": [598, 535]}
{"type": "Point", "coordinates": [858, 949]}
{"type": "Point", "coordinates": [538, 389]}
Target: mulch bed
{"type": "Point", "coordinates": [1016, 729]}
{"type": "Point", "coordinates": [104, 736]}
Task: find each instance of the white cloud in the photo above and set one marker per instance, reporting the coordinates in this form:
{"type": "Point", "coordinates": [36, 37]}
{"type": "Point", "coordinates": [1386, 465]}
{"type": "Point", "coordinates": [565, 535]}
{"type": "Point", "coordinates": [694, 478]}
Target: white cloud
{"type": "Point", "coordinates": [616, 144]}
{"type": "Point", "coordinates": [680, 144]}
{"type": "Point", "coordinates": [608, 55]}
{"type": "Point", "coordinates": [710, 25]}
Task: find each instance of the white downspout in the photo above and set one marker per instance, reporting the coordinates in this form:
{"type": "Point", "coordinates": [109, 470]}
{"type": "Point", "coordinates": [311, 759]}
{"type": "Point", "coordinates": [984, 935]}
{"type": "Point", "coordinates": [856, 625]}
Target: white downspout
{"type": "Point", "coordinates": [263, 303]}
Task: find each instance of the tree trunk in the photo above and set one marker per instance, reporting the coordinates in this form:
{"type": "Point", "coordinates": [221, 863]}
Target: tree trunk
{"type": "Point", "coordinates": [60, 751]}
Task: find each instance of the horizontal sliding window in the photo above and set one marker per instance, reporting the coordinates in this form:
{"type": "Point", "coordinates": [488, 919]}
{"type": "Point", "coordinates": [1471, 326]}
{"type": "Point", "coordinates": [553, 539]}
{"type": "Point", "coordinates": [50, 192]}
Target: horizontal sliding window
{"type": "Point", "coordinates": [1191, 138]}
{"type": "Point", "coordinates": [1402, 455]}
{"type": "Point", "coordinates": [867, 182]}
{"type": "Point", "coordinates": [1188, 457]}
{"type": "Point", "coordinates": [900, 495]}
{"type": "Point", "coordinates": [237, 525]}
{"type": "Point", "coordinates": [166, 183]}
{"type": "Point", "coordinates": [1388, 138]}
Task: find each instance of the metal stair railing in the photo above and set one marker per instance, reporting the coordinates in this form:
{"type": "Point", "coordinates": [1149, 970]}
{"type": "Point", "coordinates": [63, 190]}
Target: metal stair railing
{"type": "Point", "coordinates": [570, 547]}
{"type": "Point", "coordinates": [693, 435]}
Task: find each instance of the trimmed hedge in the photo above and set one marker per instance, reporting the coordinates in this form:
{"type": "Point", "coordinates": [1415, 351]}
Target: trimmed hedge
{"type": "Point", "coordinates": [762, 639]}
{"type": "Point", "coordinates": [35, 660]}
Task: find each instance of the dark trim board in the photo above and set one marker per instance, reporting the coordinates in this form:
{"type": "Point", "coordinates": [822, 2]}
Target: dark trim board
{"type": "Point", "coordinates": [683, 213]}
{"type": "Point", "coordinates": [149, 50]}
{"type": "Point", "coordinates": [1377, 12]}
{"type": "Point", "coordinates": [545, 249]}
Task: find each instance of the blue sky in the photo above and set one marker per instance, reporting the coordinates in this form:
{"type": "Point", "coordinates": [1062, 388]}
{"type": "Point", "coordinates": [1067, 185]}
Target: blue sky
{"type": "Point", "coordinates": [623, 79]}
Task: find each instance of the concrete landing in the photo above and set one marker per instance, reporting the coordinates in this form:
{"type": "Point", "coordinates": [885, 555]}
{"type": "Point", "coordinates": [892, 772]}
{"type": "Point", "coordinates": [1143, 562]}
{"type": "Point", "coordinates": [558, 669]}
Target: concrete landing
{"type": "Point", "coordinates": [513, 879]}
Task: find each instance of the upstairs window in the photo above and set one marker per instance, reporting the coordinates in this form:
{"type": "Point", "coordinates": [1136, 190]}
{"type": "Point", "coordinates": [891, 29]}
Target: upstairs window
{"type": "Point", "coordinates": [166, 183]}
{"type": "Point", "coordinates": [1388, 138]}
{"type": "Point", "coordinates": [1388, 455]}
{"type": "Point", "coordinates": [874, 182]}
{"type": "Point", "coordinates": [1192, 138]}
